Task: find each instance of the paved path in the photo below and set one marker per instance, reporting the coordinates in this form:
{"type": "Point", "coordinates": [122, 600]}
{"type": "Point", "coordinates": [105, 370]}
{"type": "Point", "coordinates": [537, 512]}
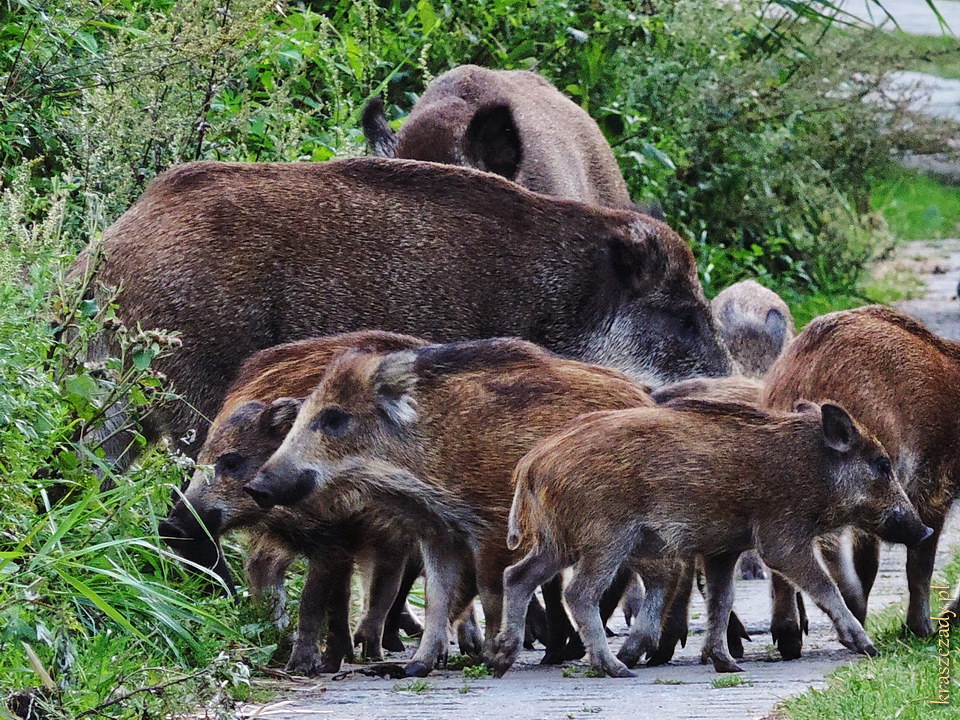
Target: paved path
{"type": "Point", "coordinates": [683, 689]}
{"type": "Point", "coordinates": [913, 16]}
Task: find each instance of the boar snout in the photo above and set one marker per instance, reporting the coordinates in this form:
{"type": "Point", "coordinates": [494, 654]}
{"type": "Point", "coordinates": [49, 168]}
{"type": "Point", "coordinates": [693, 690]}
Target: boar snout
{"type": "Point", "coordinates": [273, 487]}
{"type": "Point", "coordinates": [197, 540]}
{"type": "Point", "coordinates": [903, 525]}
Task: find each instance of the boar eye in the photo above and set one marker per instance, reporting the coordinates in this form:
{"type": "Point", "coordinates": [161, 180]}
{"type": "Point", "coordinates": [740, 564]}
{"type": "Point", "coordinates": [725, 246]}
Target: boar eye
{"type": "Point", "coordinates": [883, 466]}
{"type": "Point", "coordinates": [332, 421]}
{"type": "Point", "coordinates": [230, 462]}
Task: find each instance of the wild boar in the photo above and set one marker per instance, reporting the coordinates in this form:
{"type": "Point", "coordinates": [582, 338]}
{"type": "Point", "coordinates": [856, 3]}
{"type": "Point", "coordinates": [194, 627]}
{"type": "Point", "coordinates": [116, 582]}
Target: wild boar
{"type": "Point", "coordinates": [512, 123]}
{"type": "Point", "coordinates": [258, 411]}
{"type": "Point", "coordinates": [755, 323]}
{"type": "Point", "coordinates": [735, 389]}
{"type": "Point", "coordinates": [695, 478]}
{"type": "Point", "coordinates": [903, 382]}
{"type": "Point", "coordinates": [425, 441]}
{"type": "Point", "coordinates": [239, 257]}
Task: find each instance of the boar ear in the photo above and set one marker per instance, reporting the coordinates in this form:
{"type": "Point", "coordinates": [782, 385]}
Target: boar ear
{"type": "Point", "coordinates": [838, 429]}
{"type": "Point", "coordinates": [381, 138]}
{"type": "Point", "coordinates": [776, 326]}
{"type": "Point", "coordinates": [277, 419]}
{"type": "Point", "coordinates": [393, 388]}
{"type": "Point", "coordinates": [492, 141]}
{"type": "Point", "coordinates": [636, 266]}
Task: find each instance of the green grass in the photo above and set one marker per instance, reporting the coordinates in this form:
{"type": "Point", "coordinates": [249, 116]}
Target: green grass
{"type": "Point", "coordinates": [898, 684]}
{"type": "Point", "coordinates": [728, 681]}
{"type": "Point", "coordinates": [917, 207]}
{"type": "Point", "coordinates": [932, 55]}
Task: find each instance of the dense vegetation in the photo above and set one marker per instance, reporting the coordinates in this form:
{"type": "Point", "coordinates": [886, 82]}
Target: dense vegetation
{"type": "Point", "coordinates": [751, 131]}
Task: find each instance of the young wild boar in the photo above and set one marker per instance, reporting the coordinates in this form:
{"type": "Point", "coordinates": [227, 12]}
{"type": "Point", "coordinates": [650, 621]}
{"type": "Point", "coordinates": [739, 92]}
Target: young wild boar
{"type": "Point", "coordinates": [903, 383]}
{"type": "Point", "coordinates": [256, 415]}
{"type": "Point", "coordinates": [238, 257]}
{"type": "Point", "coordinates": [733, 389]}
{"type": "Point", "coordinates": [512, 123]}
{"type": "Point", "coordinates": [755, 324]}
{"type": "Point", "coordinates": [425, 442]}
{"type": "Point", "coordinates": [695, 478]}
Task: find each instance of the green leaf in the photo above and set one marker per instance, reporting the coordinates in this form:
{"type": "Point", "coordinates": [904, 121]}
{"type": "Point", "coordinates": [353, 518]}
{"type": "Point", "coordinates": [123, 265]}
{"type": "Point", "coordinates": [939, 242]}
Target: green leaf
{"type": "Point", "coordinates": [428, 16]}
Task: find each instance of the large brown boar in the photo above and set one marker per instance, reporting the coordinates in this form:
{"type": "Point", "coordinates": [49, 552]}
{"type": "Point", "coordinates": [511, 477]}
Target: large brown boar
{"type": "Point", "coordinates": [241, 257]}
{"type": "Point", "coordinates": [903, 382]}
{"type": "Point", "coordinates": [755, 324]}
{"type": "Point", "coordinates": [425, 442]}
{"type": "Point", "coordinates": [512, 123]}
{"type": "Point", "coordinates": [258, 411]}
{"type": "Point", "coordinates": [695, 479]}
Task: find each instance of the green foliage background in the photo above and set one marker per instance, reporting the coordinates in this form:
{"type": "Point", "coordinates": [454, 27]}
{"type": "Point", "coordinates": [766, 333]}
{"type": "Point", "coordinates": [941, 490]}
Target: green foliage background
{"type": "Point", "coordinates": [749, 128]}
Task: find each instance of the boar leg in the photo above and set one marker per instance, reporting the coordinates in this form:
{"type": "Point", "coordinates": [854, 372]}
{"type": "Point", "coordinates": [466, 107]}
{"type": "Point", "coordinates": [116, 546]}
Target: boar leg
{"type": "Point", "coordinates": [386, 576]}
{"type": "Point", "coordinates": [520, 581]}
{"type": "Point", "coordinates": [536, 624]}
{"type": "Point", "coordinates": [266, 567]}
{"type": "Point", "coordinates": [719, 571]}
{"type": "Point", "coordinates": [445, 572]}
{"type": "Point", "coordinates": [592, 576]}
{"type": "Point", "coordinates": [469, 637]}
{"type": "Point", "coordinates": [785, 626]}
{"type": "Point", "coordinates": [613, 595]}
{"type": "Point", "coordinates": [400, 616]}
{"type": "Point", "coordinates": [802, 567]}
{"type": "Point", "coordinates": [866, 561]}
{"type": "Point", "coordinates": [563, 642]}
{"type": "Point", "coordinates": [920, 561]}
{"type": "Point", "coordinates": [838, 556]}
{"type": "Point", "coordinates": [674, 628]}
{"type": "Point", "coordinates": [644, 636]}
{"type": "Point", "coordinates": [326, 594]}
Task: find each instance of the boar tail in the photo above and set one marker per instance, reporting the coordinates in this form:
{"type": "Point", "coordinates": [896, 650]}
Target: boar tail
{"type": "Point", "coordinates": [519, 509]}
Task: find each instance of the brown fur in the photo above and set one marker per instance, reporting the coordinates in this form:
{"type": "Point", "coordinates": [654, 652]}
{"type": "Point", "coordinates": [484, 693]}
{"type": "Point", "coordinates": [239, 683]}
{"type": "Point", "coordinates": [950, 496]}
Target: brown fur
{"type": "Point", "coordinates": [240, 257]}
{"type": "Point", "coordinates": [755, 323]}
{"type": "Point", "coordinates": [733, 389]}
{"type": "Point", "coordinates": [903, 382]}
{"type": "Point", "coordinates": [513, 123]}
{"type": "Point", "coordinates": [242, 436]}
{"type": "Point", "coordinates": [696, 478]}
{"type": "Point", "coordinates": [432, 439]}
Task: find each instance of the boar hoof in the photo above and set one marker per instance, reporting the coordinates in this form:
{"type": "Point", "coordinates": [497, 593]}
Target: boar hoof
{"type": "Point", "coordinates": [788, 638]}
{"type": "Point", "coordinates": [618, 670]}
{"type": "Point", "coordinates": [610, 633]}
{"type": "Point", "coordinates": [574, 649]}
{"type": "Point", "coordinates": [392, 642]}
{"type": "Point", "coordinates": [417, 669]}
{"type": "Point", "coordinates": [726, 666]}
{"type": "Point", "coordinates": [920, 627]}
{"type": "Point", "coordinates": [410, 625]}
{"type": "Point", "coordinates": [369, 647]}
{"type": "Point", "coordinates": [667, 646]}
{"type": "Point", "coordinates": [313, 665]}
{"type": "Point", "coordinates": [630, 659]}
{"type": "Point", "coordinates": [552, 657]}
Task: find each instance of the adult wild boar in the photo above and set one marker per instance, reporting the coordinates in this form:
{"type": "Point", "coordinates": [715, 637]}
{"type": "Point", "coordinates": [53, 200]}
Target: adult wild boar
{"type": "Point", "coordinates": [259, 409]}
{"type": "Point", "coordinates": [239, 257]}
{"type": "Point", "coordinates": [695, 479]}
{"type": "Point", "coordinates": [425, 442]}
{"type": "Point", "coordinates": [512, 123]}
{"type": "Point", "coordinates": [755, 324]}
{"type": "Point", "coordinates": [903, 382]}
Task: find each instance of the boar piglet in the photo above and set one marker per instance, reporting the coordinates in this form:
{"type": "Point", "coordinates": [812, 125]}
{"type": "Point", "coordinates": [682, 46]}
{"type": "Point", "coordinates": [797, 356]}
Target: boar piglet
{"type": "Point", "coordinates": [425, 442]}
{"type": "Point", "coordinates": [259, 410]}
{"type": "Point", "coordinates": [695, 479]}
{"type": "Point", "coordinates": [755, 324]}
{"type": "Point", "coordinates": [734, 389]}
{"type": "Point", "coordinates": [903, 383]}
